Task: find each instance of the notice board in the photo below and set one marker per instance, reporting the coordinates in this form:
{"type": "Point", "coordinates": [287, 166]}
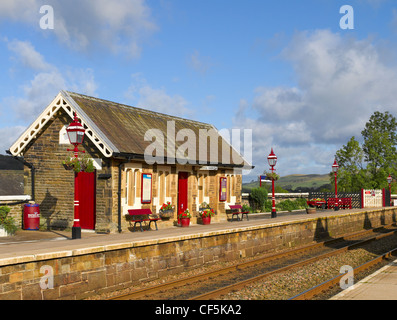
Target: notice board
{"type": "Point", "coordinates": [146, 194]}
{"type": "Point", "coordinates": [223, 189]}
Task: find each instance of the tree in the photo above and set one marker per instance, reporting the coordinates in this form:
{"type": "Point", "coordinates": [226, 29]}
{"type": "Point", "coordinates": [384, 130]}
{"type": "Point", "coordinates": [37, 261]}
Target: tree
{"type": "Point", "coordinates": [368, 166]}
{"type": "Point", "coordinates": [351, 175]}
{"type": "Point", "coordinates": [379, 147]}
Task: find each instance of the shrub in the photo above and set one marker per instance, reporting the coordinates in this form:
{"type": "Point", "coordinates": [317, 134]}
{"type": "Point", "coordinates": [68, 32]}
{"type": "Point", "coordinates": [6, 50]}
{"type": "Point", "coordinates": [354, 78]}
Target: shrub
{"type": "Point", "coordinates": [259, 197]}
{"type": "Point", "coordinates": [246, 208]}
{"type": "Point", "coordinates": [8, 223]}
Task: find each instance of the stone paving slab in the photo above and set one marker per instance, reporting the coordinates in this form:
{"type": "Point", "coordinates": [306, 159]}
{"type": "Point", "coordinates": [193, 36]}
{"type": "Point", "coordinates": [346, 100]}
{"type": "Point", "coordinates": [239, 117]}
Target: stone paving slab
{"type": "Point", "coordinates": [381, 285]}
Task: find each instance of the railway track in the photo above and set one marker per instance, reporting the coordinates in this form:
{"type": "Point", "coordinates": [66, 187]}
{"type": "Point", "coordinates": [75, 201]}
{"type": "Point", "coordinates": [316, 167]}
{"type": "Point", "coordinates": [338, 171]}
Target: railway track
{"type": "Point", "coordinates": [323, 287]}
{"type": "Point", "coordinates": [235, 277]}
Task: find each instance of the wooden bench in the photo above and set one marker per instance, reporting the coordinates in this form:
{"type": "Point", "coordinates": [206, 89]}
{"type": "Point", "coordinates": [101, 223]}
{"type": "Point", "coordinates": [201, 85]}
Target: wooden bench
{"type": "Point", "coordinates": [236, 210]}
{"type": "Point", "coordinates": [341, 203]}
{"type": "Point", "coordinates": [142, 215]}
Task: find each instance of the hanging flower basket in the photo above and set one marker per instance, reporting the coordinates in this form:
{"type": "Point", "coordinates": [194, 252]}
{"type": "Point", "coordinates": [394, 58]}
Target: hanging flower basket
{"type": "Point", "coordinates": [85, 164]}
{"type": "Point", "coordinates": [67, 167]}
{"type": "Point", "coordinates": [272, 176]}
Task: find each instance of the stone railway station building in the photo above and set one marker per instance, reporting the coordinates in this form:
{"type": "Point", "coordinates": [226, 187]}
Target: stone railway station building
{"type": "Point", "coordinates": [142, 160]}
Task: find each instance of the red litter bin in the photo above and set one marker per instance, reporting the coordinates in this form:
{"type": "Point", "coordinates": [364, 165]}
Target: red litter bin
{"type": "Point", "coordinates": [31, 217]}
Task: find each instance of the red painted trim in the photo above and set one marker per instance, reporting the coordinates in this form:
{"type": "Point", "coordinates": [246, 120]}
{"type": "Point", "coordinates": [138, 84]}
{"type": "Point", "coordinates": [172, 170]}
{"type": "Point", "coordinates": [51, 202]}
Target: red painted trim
{"type": "Point", "coordinates": [150, 200]}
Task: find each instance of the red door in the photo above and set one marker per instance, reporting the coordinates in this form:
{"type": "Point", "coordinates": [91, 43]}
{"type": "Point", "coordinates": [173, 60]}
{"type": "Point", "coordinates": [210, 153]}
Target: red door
{"type": "Point", "coordinates": [182, 192]}
{"type": "Point", "coordinates": [87, 197]}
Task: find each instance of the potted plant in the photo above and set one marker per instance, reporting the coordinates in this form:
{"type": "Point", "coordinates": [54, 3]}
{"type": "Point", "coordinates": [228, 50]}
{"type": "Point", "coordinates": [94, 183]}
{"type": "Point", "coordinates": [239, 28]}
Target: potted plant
{"type": "Point", "coordinates": [7, 224]}
{"type": "Point", "coordinates": [185, 218]}
{"type": "Point", "coordinates": [206, 215]}
{"type": "Point", "coordinates": [166, 211]}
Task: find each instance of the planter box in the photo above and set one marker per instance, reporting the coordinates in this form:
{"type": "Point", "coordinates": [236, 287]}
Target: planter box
{"type": "Point", "coordinates": [311, 210]}
{"type": "Point", "coordinates": [166, 214]}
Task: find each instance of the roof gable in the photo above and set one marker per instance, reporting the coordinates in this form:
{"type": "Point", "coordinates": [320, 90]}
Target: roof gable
{"type": "Point", "coordinates": [117, 129]}
{"type": "Point", "coordinates": [64, 101]}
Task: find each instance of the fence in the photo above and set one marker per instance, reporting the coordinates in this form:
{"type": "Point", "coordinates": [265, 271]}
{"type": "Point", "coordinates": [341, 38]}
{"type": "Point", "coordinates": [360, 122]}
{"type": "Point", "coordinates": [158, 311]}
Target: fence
{"type": "Point", "coordinates": [356, 197]}
{"type": "Point", "coordinates": [361, 199]}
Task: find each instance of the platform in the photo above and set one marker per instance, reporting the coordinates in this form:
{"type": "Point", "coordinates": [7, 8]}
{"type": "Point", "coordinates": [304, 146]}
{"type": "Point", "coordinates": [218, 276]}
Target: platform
{"type": "Point", "coordinates": [381, 285]}
{"type": "Point", "coordinates": [30, 243]}
{"type": "Point", "coordinates": [113, 261]}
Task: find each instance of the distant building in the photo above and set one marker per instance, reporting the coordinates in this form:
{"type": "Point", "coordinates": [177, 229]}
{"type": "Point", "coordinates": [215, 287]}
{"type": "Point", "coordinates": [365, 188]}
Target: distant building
{"type": "Point", "coordinates": [133, 170]}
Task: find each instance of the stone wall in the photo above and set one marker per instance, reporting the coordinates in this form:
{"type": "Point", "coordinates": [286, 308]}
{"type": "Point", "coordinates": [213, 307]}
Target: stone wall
{"type": "Point", "coordinates": [80, 273]}
{"type": "Point", "coordinates": [54, 186]}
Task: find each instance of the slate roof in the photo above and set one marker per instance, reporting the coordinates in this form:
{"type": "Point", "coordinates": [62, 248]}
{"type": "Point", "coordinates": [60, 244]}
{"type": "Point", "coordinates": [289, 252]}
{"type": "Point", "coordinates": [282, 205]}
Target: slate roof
{"type": "Point", "coordinates": [125, 127]}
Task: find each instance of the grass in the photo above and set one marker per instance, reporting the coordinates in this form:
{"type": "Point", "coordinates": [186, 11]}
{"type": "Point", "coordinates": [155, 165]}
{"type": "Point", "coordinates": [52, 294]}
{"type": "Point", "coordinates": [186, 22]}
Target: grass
{"type": "Point", "coordinates": [296, 182]}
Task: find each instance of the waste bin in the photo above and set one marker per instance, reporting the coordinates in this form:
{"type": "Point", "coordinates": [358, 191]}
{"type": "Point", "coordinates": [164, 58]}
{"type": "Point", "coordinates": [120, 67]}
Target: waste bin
{"type": "Point", "coordinates": [31, 216]}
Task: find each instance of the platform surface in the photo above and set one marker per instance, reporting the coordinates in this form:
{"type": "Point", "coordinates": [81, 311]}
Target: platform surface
{"type": "Point", "coordinates": [34, 245]}
{"type": "Point", "coordinates": [38, 243]}
{"type": "Point", "coordinates": [381, 285]}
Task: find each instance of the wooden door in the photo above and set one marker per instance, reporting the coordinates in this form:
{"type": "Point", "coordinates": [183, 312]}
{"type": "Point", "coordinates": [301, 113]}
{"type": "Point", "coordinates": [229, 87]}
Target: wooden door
{"type": "Point", "coordinates": [87, 198]}
{"type": "Point", "coordinates": [182, 192]}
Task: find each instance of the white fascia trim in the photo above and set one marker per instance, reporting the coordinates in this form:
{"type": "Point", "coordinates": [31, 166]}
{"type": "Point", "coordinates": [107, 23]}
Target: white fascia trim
{"type": "Point", "coordinates": [62, 100]}
{"type": "Point", "coordinates": [30, 133]}
{"type": "Point", "coordinates": [91, 130]}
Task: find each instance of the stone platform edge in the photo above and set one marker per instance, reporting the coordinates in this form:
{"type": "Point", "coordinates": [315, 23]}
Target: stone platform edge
{"type": "Point", "coordinates": [140, 243]}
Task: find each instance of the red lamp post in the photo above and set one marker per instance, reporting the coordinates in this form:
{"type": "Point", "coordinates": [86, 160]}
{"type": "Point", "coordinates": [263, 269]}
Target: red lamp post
{"type": "Point", "coordinates": [389, 180]}
{"type": "Point", "coordinates": [272, 160]}
{"type": "Point", "coordinates": [335, 168]}
{"type": "Point", "coordinates": [75, 133]}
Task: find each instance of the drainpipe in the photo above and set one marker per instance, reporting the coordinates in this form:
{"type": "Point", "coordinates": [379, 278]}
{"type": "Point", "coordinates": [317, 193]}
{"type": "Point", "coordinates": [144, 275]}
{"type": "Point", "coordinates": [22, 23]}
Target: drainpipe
{"type": "Point", "coordinates": [32, 171]}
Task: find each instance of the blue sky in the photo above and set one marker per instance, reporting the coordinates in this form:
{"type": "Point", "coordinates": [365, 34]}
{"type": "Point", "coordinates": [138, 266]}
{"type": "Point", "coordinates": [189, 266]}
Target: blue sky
{"type": "Point", "coordinates": [284, 69]}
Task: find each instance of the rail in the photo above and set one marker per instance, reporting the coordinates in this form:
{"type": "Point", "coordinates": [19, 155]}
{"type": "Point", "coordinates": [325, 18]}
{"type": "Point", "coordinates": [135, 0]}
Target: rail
{"type": "Point", "coordinates": [214, 274]}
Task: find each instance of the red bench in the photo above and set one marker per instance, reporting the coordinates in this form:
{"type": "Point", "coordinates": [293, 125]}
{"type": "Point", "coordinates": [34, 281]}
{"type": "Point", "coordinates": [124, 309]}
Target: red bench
{"type": "Point", "coordinates": [236, 210]}
{"type": "Point", "coordinates": [342, 203]}
{"type": "Point", "coordinates": [142, 215]}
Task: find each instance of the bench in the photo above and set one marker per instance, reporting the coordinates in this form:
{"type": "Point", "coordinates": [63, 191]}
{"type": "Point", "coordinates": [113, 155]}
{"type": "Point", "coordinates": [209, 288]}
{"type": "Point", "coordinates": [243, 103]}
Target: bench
{"type": "Point", "coordinates": [236, 210]}
{"type": "Point", "coordinates": [142, 215]}
{"type": "Point", "coordinates": [341, 203]}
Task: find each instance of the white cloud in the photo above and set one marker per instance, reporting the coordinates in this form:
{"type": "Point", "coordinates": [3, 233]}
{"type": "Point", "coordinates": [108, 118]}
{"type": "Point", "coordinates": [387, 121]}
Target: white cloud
{"type": "Point", "coordinates": [142, 95]}
{"type": "Point", "coordinates": [47, 81]}
{"type": "Point", "coordinates": [120, 26]}
{"type": "Point", "coordinates": [8, 135]}
{"type": "Point", "coordinates": [27, 55]}
{"type": "Point", "coordinates": [341, 81]}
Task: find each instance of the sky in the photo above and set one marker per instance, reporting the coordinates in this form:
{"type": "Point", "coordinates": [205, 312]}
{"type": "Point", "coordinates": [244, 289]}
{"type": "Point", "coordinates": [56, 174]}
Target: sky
{"type": "Point", "coordinates": [302, 77]}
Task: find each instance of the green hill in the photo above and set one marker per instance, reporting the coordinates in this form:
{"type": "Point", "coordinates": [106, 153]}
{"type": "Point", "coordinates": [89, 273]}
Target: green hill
{"type": "Point", "coordinates": [297, 183]}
